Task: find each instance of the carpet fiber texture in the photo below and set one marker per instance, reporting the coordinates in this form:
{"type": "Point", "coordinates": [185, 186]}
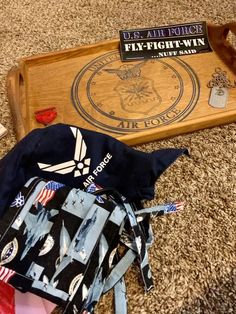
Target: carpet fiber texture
{"type": "Point", "coordinates": [193, 258]}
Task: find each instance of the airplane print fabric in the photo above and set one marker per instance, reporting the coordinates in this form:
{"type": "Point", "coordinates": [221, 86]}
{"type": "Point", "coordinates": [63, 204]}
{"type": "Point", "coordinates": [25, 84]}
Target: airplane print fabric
{"type": "Point", "coordinates": [73, 248]}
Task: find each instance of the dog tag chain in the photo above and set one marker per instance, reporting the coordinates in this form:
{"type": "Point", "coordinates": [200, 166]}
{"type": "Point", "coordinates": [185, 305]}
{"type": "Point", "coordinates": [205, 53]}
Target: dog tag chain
{"type": "Point", "coordinates": [219, 85]}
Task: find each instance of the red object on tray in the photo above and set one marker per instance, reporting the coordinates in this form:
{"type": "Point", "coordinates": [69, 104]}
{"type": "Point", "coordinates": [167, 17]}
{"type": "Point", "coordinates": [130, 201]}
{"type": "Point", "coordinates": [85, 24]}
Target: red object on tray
{"type": "Point", "coordinates": [45, 116]}
{"type": "Point", "coordinates": [7, 299]}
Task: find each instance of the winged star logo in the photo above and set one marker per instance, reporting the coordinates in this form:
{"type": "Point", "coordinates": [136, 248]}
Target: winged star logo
{"type": "Point", "coordinates": [79, 165]}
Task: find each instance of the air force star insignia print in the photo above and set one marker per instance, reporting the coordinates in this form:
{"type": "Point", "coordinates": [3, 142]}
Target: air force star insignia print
{"type": "Point", "coordinates": [80, 164]}
{"type": "Point", "coordinates": [78, 157]}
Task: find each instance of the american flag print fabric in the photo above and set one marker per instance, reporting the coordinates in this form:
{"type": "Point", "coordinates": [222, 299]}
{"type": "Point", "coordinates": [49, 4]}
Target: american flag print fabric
{"type": "Point", "coordinates": [47, 193]}
{"type": "Point", "coordinates": [6, 274]}
{"type": "Point", "coordinates": [76, 248]}
{"type": "Point", "coordinates": [159, 210]}
{"type": "Point", "coordinates": [173, 207]}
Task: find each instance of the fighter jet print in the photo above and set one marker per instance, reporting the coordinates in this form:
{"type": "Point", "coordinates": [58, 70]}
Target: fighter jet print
{"type": "Point", "coordinates": [37, 226]}
{"type": "Point", "coordinates": [79, 245]}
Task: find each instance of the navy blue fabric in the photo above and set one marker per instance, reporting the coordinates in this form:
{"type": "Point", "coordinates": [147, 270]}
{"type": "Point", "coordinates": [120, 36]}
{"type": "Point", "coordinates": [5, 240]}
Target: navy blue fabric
{"type": "Point", "coordinates": [104, 160]}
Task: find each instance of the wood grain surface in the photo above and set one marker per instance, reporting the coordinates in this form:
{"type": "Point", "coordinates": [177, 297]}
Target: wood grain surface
{"type": "Point", "coordinates": [137, 101]}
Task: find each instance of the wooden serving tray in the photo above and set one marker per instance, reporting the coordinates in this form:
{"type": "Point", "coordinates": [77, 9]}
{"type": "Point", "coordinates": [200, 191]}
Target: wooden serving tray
{"type": "Point", "coordinates": [136, 101]}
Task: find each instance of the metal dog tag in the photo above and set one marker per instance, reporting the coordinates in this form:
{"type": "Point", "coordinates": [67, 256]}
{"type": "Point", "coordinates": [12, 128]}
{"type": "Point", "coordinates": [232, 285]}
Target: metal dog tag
{"type": "Point", "coordinates": [218, 97]}
{"type": "Point", "coordinates": [220, 86]}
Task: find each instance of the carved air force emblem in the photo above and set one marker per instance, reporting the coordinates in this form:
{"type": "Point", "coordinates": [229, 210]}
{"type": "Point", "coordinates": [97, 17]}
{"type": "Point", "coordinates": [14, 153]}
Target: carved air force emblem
{"type": "Point", "coordinates": [135, 90]}
{"type": "Point", "coordinates": [135, 96]}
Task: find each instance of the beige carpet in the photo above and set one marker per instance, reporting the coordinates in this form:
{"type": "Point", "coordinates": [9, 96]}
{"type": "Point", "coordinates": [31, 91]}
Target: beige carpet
{"type": "Point", "coordinates": [194, 255]}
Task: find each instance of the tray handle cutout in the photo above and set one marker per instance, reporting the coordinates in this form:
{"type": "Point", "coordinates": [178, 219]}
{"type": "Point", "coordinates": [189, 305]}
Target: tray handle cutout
{"type": "Point", "coordinates": [15, 86]}
{"type": "Point", "coordinates": [223, 41]}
